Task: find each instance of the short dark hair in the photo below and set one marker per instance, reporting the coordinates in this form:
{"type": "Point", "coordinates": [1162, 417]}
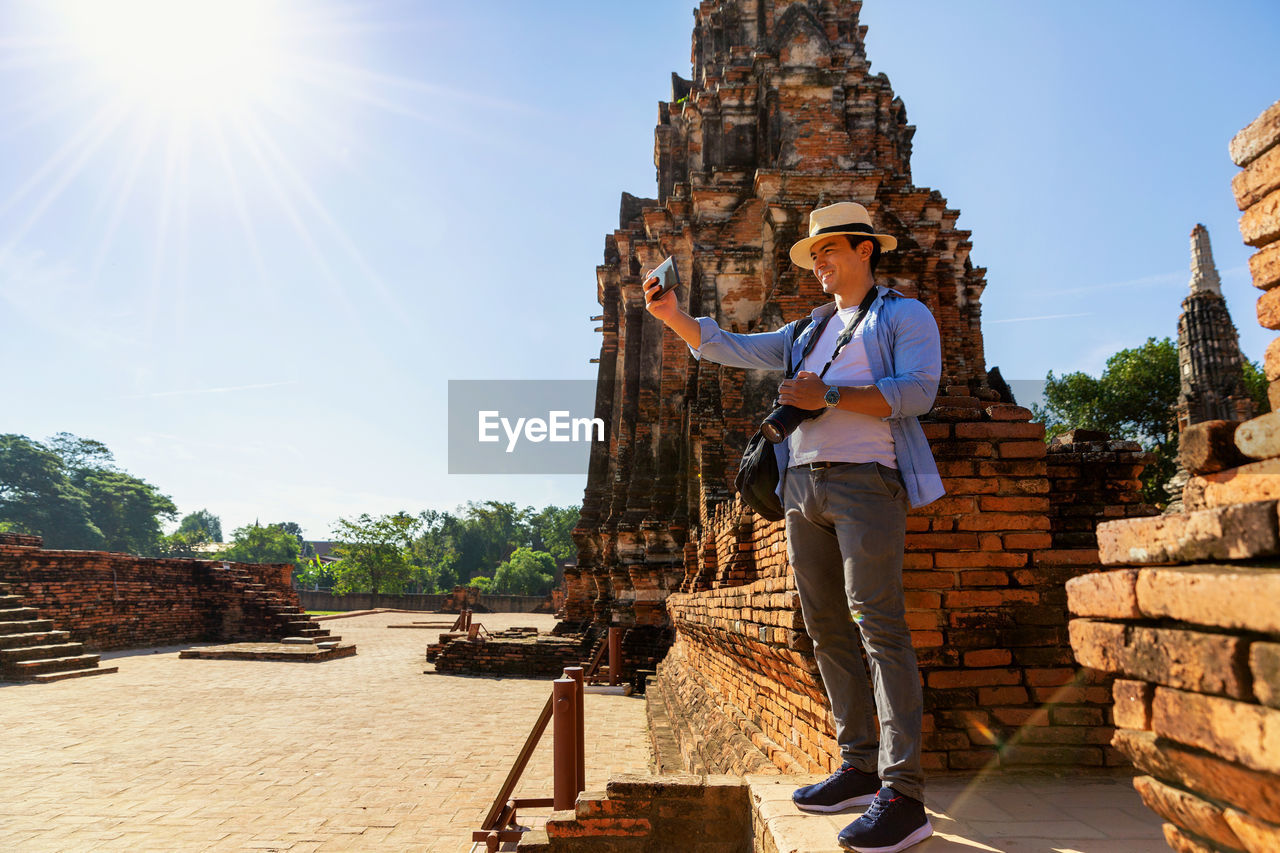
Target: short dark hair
{"type": "Point", "coordinates": [875, 248]}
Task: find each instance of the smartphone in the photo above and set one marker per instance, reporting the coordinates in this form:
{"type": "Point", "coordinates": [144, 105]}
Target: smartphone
{"type": "Point", "coordinates": [667, 277]}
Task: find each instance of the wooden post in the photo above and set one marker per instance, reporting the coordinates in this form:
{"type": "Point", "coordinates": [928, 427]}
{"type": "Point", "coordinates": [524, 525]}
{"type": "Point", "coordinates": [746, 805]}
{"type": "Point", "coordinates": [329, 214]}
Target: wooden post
{"type": "Point", "coordinates": [576, 673]}
{"type": "Point", "coordinates": [615, 654]}
{"type": "Point", "coordinates": [564, 738]}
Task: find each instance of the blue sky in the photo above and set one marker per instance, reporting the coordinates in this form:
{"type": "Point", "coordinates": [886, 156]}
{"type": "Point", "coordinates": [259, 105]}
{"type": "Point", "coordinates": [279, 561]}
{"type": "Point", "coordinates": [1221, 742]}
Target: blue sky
{"type": "Point", "coordinates": [253, 279]}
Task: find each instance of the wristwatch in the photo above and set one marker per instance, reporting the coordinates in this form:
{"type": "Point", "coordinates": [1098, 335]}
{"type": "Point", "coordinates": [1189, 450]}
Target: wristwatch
{"type": "Point", "coordinates": [832, 397]}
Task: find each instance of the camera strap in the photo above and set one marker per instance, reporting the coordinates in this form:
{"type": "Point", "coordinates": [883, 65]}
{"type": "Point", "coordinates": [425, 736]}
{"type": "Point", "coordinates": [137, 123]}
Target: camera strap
{"type": "Point", "coordinates": [847, 334]}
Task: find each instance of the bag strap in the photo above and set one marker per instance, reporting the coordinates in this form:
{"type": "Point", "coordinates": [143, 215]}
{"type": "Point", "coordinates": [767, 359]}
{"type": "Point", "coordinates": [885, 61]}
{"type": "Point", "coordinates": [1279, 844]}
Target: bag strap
{"type": "Point", "coordinates": [801, 325]}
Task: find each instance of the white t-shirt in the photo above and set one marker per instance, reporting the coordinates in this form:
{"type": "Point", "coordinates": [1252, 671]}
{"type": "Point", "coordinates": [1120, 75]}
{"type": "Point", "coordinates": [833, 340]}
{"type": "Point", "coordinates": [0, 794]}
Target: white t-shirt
{"type": "Point", "coordinates": [837, 435]}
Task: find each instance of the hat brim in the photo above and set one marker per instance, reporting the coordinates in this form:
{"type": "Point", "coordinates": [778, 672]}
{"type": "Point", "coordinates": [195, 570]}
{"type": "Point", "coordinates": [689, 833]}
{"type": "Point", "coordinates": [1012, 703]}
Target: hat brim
{"type": "Point", "coordinates": [800, 251]}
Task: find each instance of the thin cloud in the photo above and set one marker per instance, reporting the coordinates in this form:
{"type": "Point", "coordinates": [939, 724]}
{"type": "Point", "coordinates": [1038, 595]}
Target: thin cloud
{"type": "Point", "coordinates": [1041, 317]}
{"type": "Point", "coordinates": [225, 390]}
{"type": "Point", "coordinates": [1143, 281]}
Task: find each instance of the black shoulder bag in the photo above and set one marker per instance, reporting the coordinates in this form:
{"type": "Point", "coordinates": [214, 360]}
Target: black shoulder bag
{"type": "Point", "coordinates": [757, 480]}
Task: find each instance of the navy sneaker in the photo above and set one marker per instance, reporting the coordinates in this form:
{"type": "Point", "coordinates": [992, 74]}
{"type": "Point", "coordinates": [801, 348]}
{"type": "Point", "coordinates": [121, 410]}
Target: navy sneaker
{"type": "Point", "coordinates": [846, 787]}
{"type": "Point", "coordinates": [894, 822]}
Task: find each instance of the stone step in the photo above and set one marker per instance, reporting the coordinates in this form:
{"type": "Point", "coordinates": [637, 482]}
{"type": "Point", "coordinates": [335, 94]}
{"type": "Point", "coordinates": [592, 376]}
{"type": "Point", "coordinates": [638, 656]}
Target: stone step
{"type": "Point", "coordinates": [8, 601]}
{"type": "Point", "coordinates": [28, 668]}
{"type": "Point", "coordinates": [5, 589]}
{"type": "Point", "coordinates": [534, 841]}
{"type": "Point", "coordinates": [25, 626]}
{"type": "Point", "coordinates": [18, 614]}
{"type": "Point", "coordinates": [32, 638]}
{"type": "Point", "coordinates": [61, 650]}
{"type": "Point", "coordinates": [46, 677]}
{"type": "Point", "coordinates": [298, 641]}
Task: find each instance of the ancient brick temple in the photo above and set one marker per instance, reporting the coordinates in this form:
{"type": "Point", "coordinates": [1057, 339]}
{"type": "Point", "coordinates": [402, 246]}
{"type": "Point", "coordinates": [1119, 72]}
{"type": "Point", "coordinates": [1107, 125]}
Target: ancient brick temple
{"type": "Point", "coordinates": [783, 114]}
{"type": "Point", "coordinates": [1190, 625]}
{"type": "Point", "coordinates": [1210, 364]}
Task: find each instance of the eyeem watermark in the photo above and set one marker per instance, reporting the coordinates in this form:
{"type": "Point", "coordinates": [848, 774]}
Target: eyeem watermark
{"type": "Point", "coordinates": [558, 426]}
{"type": "Point", "coordinates": [522, 427]}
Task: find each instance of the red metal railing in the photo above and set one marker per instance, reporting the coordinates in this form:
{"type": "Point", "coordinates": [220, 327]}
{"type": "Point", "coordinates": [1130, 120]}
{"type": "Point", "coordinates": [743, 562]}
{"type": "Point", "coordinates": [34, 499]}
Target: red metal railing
{"type": "Point", "coordinates": [613, 645]}
{"type": "Point", "coordinates": [564, 709]}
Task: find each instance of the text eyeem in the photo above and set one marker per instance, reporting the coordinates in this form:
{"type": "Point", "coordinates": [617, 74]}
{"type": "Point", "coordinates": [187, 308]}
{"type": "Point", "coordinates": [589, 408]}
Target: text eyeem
{"type": "Point", "coordinates": [558, 427]}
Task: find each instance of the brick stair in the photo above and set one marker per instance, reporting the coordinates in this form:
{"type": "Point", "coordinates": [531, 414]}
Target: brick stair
{"type": "Point", "coordinates": [284, 618]}
{"type": "Point", "coordinates": [31, 650]}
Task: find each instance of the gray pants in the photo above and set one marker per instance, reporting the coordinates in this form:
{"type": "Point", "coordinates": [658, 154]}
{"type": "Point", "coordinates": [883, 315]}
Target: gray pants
{"type": "Point", "coordinates": [846, 530]}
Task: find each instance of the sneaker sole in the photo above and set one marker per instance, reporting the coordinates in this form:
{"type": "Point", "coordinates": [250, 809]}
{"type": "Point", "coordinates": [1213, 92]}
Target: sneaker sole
{"type": "Point", "coordinates": [864, 800]}
{"type": "Point", "coordinates": [911, 840]}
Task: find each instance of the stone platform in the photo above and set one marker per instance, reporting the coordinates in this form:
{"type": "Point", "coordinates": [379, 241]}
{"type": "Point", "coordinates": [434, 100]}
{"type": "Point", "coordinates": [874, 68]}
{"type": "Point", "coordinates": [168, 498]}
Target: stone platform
{"type": "Point", "coordinates": [298, 652]}
{"type": "Point", "coordinates": [1011, 814]}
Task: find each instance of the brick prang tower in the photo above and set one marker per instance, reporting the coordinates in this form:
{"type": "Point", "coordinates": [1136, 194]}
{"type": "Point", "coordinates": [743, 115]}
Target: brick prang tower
{"type": "Point", "coordinates": [783, 114]}
{"type": "Point", "coordinates": [1210, 365]}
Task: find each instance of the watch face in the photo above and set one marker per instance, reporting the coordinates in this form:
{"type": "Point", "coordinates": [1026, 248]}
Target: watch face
{"type": "Point", "coordinates": [832, 396]}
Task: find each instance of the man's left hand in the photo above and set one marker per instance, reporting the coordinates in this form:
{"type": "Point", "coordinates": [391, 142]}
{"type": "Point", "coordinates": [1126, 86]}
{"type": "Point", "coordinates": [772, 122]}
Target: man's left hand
{"type": "Point", "coordinates": [805, 391]}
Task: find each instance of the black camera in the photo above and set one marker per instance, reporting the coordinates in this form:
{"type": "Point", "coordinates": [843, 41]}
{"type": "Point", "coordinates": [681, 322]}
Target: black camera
{"type": "Point", "coordinates": [784, 419]}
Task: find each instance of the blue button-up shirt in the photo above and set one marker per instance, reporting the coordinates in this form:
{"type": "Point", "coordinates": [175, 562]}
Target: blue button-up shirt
{"type": "Point", "coordinates": [905, 355]}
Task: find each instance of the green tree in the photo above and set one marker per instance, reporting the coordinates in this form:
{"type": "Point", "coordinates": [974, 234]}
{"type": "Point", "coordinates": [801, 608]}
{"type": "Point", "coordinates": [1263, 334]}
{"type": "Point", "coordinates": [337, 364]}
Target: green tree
{"type": "Point", "coordinates": [528, 572]}
{"type": "Point", "coordinates": [126, 509]}
{"type": "Point", "coordinates": [81, 453]}
{"type": "Point", "coordinates": [38, 497]}
{"type": "Point", "coordinates": [490, 532]}
{"type": "Point", "coordinates": [551, 529]}
{"type": "Point", "coordinates": [70, 492]}
{"type": "Point", "coordinates": [201, 526]}
{"type": "Point", "coordinates": [434, 552]}
{"type": "Point", "coordinates": [481, 582]}
{"type": "Point", "coordinates": [1132, 399]}
{"type": "Point", "coordinates": [1255, 382]}
{"type": "Point", "coordinates": [314, 574]}
{"type": "Point", "coordinates": [257, 544]}
{"type": "Point", "coordinates": [374, 552]}
{"type": "Point", "coordinates": [305, 551]}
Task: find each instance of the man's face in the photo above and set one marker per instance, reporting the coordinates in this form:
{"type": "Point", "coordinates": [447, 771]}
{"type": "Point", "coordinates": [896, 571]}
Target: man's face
{"type": "Point", "coordinates": [837, 265]}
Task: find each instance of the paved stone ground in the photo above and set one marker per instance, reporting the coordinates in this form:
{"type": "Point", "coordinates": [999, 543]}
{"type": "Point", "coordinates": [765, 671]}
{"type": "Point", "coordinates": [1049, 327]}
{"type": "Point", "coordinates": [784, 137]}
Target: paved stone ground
{"type": "Point", "coordinates": [362, 753]}
{"type": "Point", "coordinates": [369, 753]}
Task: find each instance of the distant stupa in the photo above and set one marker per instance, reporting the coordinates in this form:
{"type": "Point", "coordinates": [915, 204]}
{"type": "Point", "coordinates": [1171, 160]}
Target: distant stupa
{"type": "Point", "coordinates": [1210, 364]}
{"type": "Point", "coordinates": [1209, 358]}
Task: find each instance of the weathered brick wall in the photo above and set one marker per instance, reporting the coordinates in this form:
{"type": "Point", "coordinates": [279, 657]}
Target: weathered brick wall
{"type": "Point", "coordinates": [509, 655]}
{"type": "Point", "coordinates": [118, 601]}
{"type": "Point", "coordinates": [1092, 479]}
{"type": "Point", "coordinates": [1191, 629]}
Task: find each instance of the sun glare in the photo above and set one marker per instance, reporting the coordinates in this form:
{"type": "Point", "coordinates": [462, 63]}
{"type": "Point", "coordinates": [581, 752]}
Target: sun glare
{"type": "Point", "coordinates": [209, 58]}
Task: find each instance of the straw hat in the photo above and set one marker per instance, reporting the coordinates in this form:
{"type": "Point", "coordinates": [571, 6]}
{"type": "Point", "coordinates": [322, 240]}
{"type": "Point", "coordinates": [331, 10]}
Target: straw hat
{"type": "Point", "coordinates": [845, 217]}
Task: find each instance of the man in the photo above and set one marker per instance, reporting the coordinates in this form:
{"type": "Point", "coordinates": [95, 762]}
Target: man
{"type": "Point", "coordinates": [849, 475]}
